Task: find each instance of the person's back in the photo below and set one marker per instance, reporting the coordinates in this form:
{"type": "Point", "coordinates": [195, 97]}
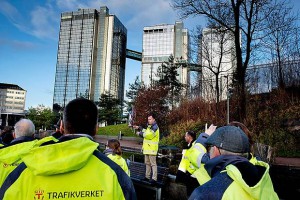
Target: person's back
{"type": "Point", "coordinates": [71, 168]}
{"type": "Point", "coordinates": [232, 175]}
{"type": "Point", "coordinates": [114, 152]}
{"type": "Point", "coordinates": [7, 135]}
{"type": "Point", "coordinates": [23, 142]}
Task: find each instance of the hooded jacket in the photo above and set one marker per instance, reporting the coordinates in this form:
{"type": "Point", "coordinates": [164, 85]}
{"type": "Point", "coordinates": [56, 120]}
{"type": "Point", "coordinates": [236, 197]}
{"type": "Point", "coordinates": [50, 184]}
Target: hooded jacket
{"type": "Point", "coordinates": [235, 178]}
{"type": "Point", "coordinates": [117, 159]}
{"type": "Point", "coordinates": [72, 168]}
{"type": "Point", "coordinates": [10, 155]}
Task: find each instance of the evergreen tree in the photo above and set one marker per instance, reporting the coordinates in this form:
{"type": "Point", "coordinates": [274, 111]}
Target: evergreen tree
{"type": "Point", "coordinates": [168, 78]}
{"type": "Point", "coordinates": [109, 109]}
{"type": "Point", "coordinates": [133, 91]}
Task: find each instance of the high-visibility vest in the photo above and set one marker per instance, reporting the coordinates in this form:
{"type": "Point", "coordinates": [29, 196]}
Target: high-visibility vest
{"type": "Point", "coordinates": [230, 185]}
{"type": "Point", "coordinates": [151, 140]}
{"type": "Point", "coordinates": [120, 161]}
{"type": "Point", "coordinates": [183, 162]}
{"type": "Point", "coordinates": [10, 156]}
{"type": "Point", "coordinates": [196, 154]}
{"type": "Point", "coordinates": [72, 169]}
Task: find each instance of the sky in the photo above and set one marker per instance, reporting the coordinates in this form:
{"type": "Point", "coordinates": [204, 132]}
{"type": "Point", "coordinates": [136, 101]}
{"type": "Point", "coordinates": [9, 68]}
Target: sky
{"type": "Point", "coordinates": [29, 32]}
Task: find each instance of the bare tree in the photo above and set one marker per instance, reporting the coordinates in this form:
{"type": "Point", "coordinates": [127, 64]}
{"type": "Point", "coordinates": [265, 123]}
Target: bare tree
{"type": "Point", "coordinates": [217, 50]}
{"type": "Point", "coordinates": [244, 19]}
{"type": "Point", "coordinates": [280, 32]}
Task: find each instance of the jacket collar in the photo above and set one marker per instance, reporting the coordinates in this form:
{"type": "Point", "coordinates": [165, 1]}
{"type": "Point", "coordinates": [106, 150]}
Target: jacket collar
{"type": "Point", "coordinates": [215, 165]}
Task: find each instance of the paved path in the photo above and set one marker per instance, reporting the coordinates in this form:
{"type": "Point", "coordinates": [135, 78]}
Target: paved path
{"type": "Point", "coordinates": [124, 143]}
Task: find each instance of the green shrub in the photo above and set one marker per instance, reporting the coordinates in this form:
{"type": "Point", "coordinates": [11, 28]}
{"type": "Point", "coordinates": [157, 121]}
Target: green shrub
{"type": "Point", "coordinates": [177, 132]}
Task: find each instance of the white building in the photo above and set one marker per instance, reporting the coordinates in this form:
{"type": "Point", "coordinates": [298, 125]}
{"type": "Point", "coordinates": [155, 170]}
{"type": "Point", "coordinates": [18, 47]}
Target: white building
{"type": "Point", "coordinates": [12, 103]}
{"type": "Point", "coordinates": [217, 54]}
{"type": "Point", "coordinates": [159, 42]}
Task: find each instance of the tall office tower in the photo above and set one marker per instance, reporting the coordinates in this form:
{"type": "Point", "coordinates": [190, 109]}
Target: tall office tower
{"type": "Point", "coordinates": [217, 55]}
{"type": "Point", "coordinates": [91, 56]}
{"type": "Point", "coordinates": [159, 42]}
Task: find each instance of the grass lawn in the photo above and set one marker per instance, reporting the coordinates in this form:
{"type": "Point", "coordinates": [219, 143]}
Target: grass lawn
{"type": "Point", "coordinates": [114, 130]}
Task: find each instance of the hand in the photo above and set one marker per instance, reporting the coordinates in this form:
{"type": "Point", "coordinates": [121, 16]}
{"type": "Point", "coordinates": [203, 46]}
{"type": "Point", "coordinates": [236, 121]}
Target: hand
{"type": "Point", "coordinates": [137, 133]}
{"type": "Point", "coordinates": [135, 127]}
{"type": "Point", "coordinates": [211, 129]}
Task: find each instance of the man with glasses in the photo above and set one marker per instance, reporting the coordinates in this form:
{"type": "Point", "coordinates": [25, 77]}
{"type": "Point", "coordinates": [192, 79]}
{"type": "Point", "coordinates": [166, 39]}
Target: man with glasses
{"type": "Point", "coordinates": [232, 175]}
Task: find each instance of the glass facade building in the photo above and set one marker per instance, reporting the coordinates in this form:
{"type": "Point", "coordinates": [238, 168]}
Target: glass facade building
{"type": "Point", "coordinates": [159, 42]}
{"type": "Point", "coordinates": [91, 56]}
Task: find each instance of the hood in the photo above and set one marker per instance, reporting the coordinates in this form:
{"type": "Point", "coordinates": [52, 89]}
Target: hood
{"type": "Point", "coordinates": [253, 178]}
{"type": "Point", "coordinates": [11, 154]}
{"type": "Point", "coordinates": [257, 183]}
{"type": "Point", "coordinates": [20, 140]}
{"type": "Point", "coordinates": [219, 163]}
{"type": "Point", "coordinates": [60, 157]}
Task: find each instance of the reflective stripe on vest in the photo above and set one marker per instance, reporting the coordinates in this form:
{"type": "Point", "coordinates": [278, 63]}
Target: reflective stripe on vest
{"type": "Point", "coordinates": [201, 153]}
{"type": "Point", "coordinates": [183, 163]}
{"type": "Point", "coordinates": [197, 152]}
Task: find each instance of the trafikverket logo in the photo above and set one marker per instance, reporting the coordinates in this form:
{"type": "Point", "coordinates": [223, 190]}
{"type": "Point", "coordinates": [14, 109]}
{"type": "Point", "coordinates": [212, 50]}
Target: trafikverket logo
{"type": "Point", "coordinates": [39, 194]}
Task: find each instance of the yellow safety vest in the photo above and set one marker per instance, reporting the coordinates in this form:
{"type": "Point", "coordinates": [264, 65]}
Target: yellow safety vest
{"type": "Point", "coordinates": [151, 140]}
{"type": "Point", "coordinates": [10, 156]}
{"type": "Point", "coordinates": [120, 161]}
{"type": "Point", "coordinates": [72, 169]}
{"type": "Point", "coordinates": [196, 154]}
{"type": "Point", "coordinates": [184, 162]}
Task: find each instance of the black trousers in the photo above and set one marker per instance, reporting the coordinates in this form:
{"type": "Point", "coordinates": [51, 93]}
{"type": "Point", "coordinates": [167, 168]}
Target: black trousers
{"type": "Point", "coordinates": [190, 182]}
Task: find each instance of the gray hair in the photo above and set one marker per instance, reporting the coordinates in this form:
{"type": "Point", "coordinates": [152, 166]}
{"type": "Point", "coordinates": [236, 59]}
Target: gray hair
{"type": "Point", "coordinates": [225, 152]}
{"type": "Point", "coordinates": [24, 127]}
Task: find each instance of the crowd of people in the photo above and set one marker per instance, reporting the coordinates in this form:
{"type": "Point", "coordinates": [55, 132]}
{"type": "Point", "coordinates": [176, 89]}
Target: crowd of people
{"type": "Point", "coordinates": [68, 163]}
{"type": "Point", "coordinates": [70, 166]}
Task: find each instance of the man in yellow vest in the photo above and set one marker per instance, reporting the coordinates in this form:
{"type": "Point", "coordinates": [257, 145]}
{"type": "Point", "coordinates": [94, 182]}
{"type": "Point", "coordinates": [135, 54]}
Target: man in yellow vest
{"type": "Point", "coordinates": [150, 147]}
{"type": "Point", "coordinates": [10, 155]}
{"type": "Point", "coordinates": [72, 168]}
{"type": "Point", "coordinates": [232, 175]}
{"type": "Point", "coordinates": [185, 169]}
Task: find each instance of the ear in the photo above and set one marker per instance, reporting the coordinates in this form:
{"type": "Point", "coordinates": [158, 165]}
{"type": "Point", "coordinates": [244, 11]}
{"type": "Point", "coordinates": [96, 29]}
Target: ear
{"type": "Point", "coordinates": [61, 127]}
{"type": "Point", "coordinates": [214, 152]}
{"type": "Point", "coordinates": [14, 135]}
{"type": "Point", "coordinates": [96, 129]}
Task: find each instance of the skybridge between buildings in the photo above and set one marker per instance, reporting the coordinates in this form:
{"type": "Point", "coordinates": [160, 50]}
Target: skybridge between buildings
{"type": "Point", "coordinates": [135, 55]}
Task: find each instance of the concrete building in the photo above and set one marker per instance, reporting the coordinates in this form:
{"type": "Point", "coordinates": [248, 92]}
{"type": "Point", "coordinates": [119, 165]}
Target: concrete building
{"type": "Point", "coordinates": [159, 42]}
{"type": "Point", "coordinates": [217, 55]}
{"type": "Point", "coordinates": [12, 103]}
{"type": "Point", "coordinates": [91, 56]}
